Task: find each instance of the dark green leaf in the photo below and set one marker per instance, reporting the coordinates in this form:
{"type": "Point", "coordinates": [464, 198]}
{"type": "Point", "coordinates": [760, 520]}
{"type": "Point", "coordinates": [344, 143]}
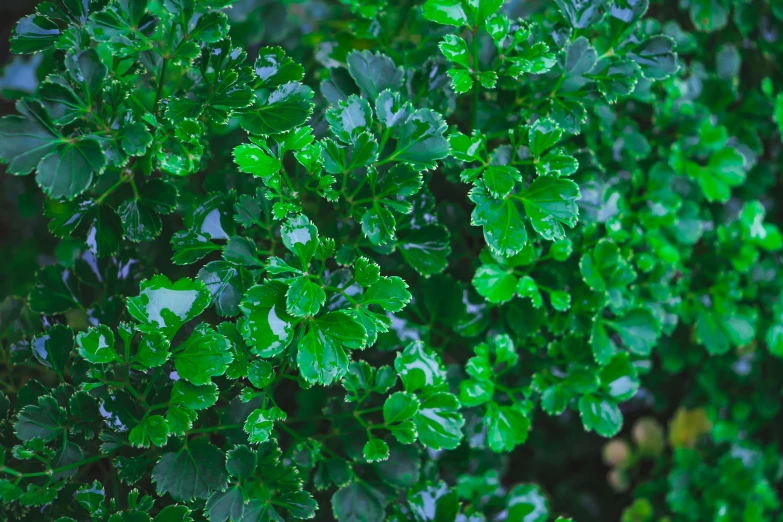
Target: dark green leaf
{"type": "Point", "coordinates": [191, 472]}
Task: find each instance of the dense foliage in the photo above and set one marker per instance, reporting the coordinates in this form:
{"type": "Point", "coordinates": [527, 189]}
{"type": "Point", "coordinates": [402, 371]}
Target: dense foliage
{"type": "Point", "coordinates": [365, 260]}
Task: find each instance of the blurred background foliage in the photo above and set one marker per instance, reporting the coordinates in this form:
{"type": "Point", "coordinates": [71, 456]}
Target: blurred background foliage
{"type": "Point", "coordinates": [586, 476]}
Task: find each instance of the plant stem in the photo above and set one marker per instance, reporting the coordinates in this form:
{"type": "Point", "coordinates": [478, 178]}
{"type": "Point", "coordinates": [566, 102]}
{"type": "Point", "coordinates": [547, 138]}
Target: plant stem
{"type": "Point", "coordinates": [311, 418]}
{"type": "Point", "coordinates": [215, 428]}
{"type": "Point", "coordinates": [160, 84]}
{"type": "Point", "coordinates": [135, 188]}
{"type": "Point", "coordinates": [111, 189]}
{"type": "Point", "coordinates": [476, 83]}
{"type": "Point", "coordinates": [163, 67]}
{"type": "Point", "coordinates": [49, 472]}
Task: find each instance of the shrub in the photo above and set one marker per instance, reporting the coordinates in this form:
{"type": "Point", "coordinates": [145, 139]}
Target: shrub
{"type": "Point", "coordinates": [375, 260]}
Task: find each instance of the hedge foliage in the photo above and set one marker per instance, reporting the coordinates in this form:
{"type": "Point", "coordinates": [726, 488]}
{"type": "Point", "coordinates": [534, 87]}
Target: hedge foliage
{"type": "Point", "coordinates": [405, 260]}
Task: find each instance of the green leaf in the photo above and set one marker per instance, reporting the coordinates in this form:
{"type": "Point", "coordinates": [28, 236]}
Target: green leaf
{"type": "Point", "coordinates": [304, 297]}
{"type": "Point", "coordinates": [261, 374]}
{"type": "Point", "coordinates": [379, 225]}
{"type": "Point", "coordinates": [488, 79]}
{"type": "Point", "coordinates": [280, 110]}
{"type": "Point", "coordinates": [461, 80]}
{"type": "Point", "coordinates": [475, 393]}
{"type": "Point", "coordinates": [391, 110]}
{"type": "Point", "coordinates": [446, 12]}
{"type": "Point", "coordinates": [227, 285]}
{"type": "Point", "coordinates": [560, 300]}
{"type": "Point", "coordinates": [153, 430]}
{"type": "Point", "coordinates": [555, 399]}
{"type": "Point", "coordinates": [535, 59]}
{"type": "Point", "coordinates": [45, 421]}
{"type": "Point", "coordinates": [97, 345]}
{"type": "Point", "coordinates": [570, 114]}
{"type": "Point", "coordinates": [777, 113]}
{"type": "Point", "coordinates": [483, 9]}
{"type": "Point", "coordinates": [135, 139]}
{"type": "Point", "coordinates": [260, 422]}
{"type": "Point", "coordinates": [153, 350]}
{"type": "Point", "coordinates": [390, 293]}
{"type": "Point", "coordinates": [426, 249]}
{"type": "Point", "coordinates": [67, 454]}
{"type": "Point", "coordinates": [299, 504]}
{"type": "Point", "coordinates": [399, 406]}
{"type": "Point", "coordinates": [527, 503]}
{"type": "Point", "coordinates": [193, 397]}
{"type": "Point", "coordinates": [54, 291]}
{"type": "Point", "coordinates": [173, 513]}
{"type": "Point", "coordinates": [495, 283]}
{"type": "Point", "coordinates": [402, 469]}
{"type": "Point", "coordinates": [502, 219]}
{"type": "Point", "coordinates": [33, 34]}
{"type": "Point", "coordinates": [92, 497]}
{"type": "Point", "coordinates": [375, 450]}
{"type": "Point", "coordinates": [420, 140]}
{"type": "Point", "coordinates": [322, 355]}
{"type": "Point", "coordinates": [709, 15]}
{"type": "Point", "coordinates": [26, 140]}
{"type": "Point", "coordinates": [242, 251]}
{"type": "Point", "coordinates": [656, 57]}
{"type": "Point", "coordinates": [603, 347]}
{"type": "Point", "coordinates": [193, 471]}
{"type": "Point", "coordinates": [615, 77]}
{"type": "Point", "coordinates": [500, 180]}
{"type": "Point", "coordinates": [551, 203]}
{"type": "Point", "coordinates": [179, 150]}
{"type": "Point", "coordinates": [557, 164]}
{"type": "Point", "coordinates": [718, 331]}
{"type": "Point", "coordinates": [241, 462]}
{"type": "Point", "coordinates": [256, 161]}
{"type": "Point", "coordinates": [274, 68]}
{"type": "Point", "coordinates": [140, 222]}
{"type": "Point", "coordinates": [434, 502]}
{"type": "Point", "coordinates": [366, 272]}
{"type": "Point", "coordinates": [159, 195]}
{"type": "Point", "coordinates": [300, 236]}
{"type": "Point", "coordinates": [581, 13]}
{"type": "Point", "coordinates": [600, 415]}
{"type": "Point", "coordinates": [88, 71]}
{"type": "Point", "coordinates": [126, 26]}
{"type": "Point", "coordinates": [543, 135]}
{"type": "Point", "coordinates": [53, 348]}
{"type": "Point", "coordinates": [628, 10]}
{"type": "Point", "coordinates": [205, 354]}
{"type": "Point", "coordinates": [419, 368]}
{"type": "Point", "coordinates": [99, 225]}
{"type": "Point", "coordinates": [165, 306]}
{"type": "Point", "coordinates": [774, 339]}
{"type": "Point", "coordinates": [724, 170]}
{"type": "Point", "coordinates": [223, 506]}
{"type": "Point", "coordinates": [455, 49]}
{"type": "Point", "coordinates": [268, 329]}
{"type": "Point", "coordinates": [180, 419]}
{"type": "Point", "coordinates": [69, 170]}
{"type": "Point", "coordinates": [358, 502]}
{"type": "Point", "coordinates": [505, 351]}
{"type": "Point", "coordinates": [638, 329]}
{"type": "Point", "coordinates": [349, 118]}
{"type": "Point", "coordinates": [619, 378]}
{"type": "Point", "coordinates": [527, 287]}
{"type": "Point", "coordinates": [605, 271]}
{"type": "Point", "coordinates": [374, 73]}
{"type": "Point", "coordinates": [438, 421]}
{"type": "Point", "coordinates": [507, 427]}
